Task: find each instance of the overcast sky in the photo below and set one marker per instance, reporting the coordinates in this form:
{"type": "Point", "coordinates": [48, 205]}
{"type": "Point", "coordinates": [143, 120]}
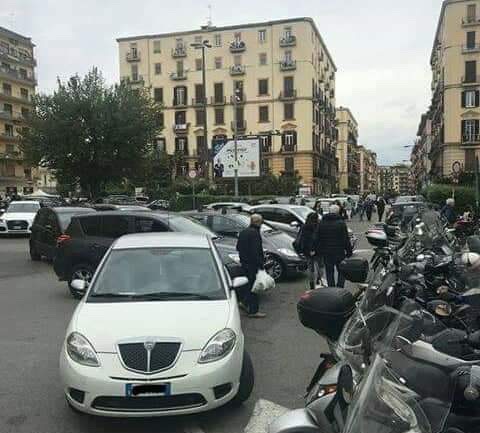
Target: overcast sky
{"type": "Point", "coordinates": [381, 48]}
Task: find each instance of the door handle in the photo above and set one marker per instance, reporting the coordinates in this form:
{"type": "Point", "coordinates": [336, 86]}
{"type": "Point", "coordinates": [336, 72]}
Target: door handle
{"type": "Point", "coordinates": [95, 246]}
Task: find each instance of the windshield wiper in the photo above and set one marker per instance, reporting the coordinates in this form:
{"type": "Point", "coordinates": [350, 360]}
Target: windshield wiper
{"type": "Point", "coordinates": [171, 295]}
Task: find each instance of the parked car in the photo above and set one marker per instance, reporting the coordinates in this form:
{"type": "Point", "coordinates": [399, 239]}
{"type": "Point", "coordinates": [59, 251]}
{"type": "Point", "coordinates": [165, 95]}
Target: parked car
{"type": "Point", "coordinates": [102, 207]}
{"type": "Point", "coordinates": [159, 205]}
{"type": "Point", "coordinates": [401, 213]}
{"type": "Point", "coordinates": [409, 199]}
{"type": "Point", "coordinates": [48, 228]}
{"type": "Point", "coordinates": [18, 217]}
{"type": "Point", "coordinates": [283, 260]}
{"type": "Point", "coordinates": [325, 204]}
{"type": "Point", "coordinates": [158, 332]}
{"type": "Point", "coordinates": [229, 205]}
{"type": "Point", "coordinates": [88, 237]}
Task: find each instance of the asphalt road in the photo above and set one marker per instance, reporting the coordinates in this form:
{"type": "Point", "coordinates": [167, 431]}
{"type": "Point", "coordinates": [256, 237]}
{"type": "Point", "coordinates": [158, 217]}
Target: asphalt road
{"type": "Point", "coordinates": [35, 309]}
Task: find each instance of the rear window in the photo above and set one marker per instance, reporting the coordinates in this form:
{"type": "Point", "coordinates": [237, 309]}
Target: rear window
{"type": "Point", "coordinates": [114, 226]}
{"type": "Point", "coordinates": [65, 218]}
{"type": "Point", "coordinates": [91, 226]}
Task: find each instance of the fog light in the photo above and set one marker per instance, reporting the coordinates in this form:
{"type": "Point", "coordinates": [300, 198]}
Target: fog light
{"type": "Point", "coordinates": [77, 395]}
{"type": "Point", "coordinates": [222, 390]}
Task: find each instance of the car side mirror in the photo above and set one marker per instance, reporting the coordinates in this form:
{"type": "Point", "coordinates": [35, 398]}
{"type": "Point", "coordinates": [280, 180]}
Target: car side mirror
{"type": "Point", "coordinates": [294, 224]}
{"type": "Point", "coordinates": [79, 285]}
{"type": "Point", "coordinates": [239, 282]}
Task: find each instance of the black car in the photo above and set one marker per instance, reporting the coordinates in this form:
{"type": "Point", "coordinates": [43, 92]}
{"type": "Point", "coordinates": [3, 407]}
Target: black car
{"type": "Point", "coordinates": [401, 214]}
{"type": "Point", "coordinates": [48, 227]}
{"type": "Point", "coordinates": [88, 238]}
{"type": "Point", "coordinates": [283, 260]}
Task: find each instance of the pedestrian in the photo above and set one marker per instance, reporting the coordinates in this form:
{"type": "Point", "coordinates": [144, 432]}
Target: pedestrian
{"type": "Point", "coordinates": [349, 208]}
{"type": "Point", "coordinates": [319, 209]}
{"type": "Point", "coordinates": [333, 244]}
{"type": "Point", "coordinates": [448, 211]}
{"type": "Point", "coordinates": [369, 208]}
{"type": "Point", "coordinates": [250, 250]}
{"type": "Point", "coordinates": [343, 212]}
{"type": "Point", "coordinates": [361, 208]}
{"type": "Point", "coordinates": [307, 244]}
{"type": "Point", "coordinates": [380, 208]}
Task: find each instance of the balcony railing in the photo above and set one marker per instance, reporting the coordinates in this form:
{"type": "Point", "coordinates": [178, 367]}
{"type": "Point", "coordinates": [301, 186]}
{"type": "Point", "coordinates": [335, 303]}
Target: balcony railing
{"type": "Point", "coordinates": [237, 46]}
{"type": "Point", "coordinates": [288, 41]}
{"type": "Point", "coordinates": [240, 99]}
{"type": "Point", "coordinates": [267, 148]}
{"type": "Point", "coordinates": [17, 57]}
{"type": "Point", "coordinates": [178, 76]}
{"type": "Point", "coordinates": [237, 70]}
{"type": "Point", "coordinates": [181, 127]}
{"type": "Point", "coordinates": [288, 65]}
{"type": "Point", "coordinates": [289, 148]}
{"type": "Point", "coordinates": [471, 79]}
{"type": "Point", "coordinates": [218, 100]}
{"type": "Point", "coordinates": [179, 52]}
{"type": "Point", "coordinates": [136, 79]}
{"type": "Point", "coordinates": [471, 48]}
{"type": "Point", "coordinates": [179, 102]}
{"type": "Point", "coordinates": [198, 101]}
{"type": "Point", "coordinates": [15, 117]}
{"type": "Point", "coordinates": [290, 94]}
{"type": "Point", "coordinates": [470, 21]}
{"type": "Point", "coordinates": [12, 156]}
{"type": "Point", "coordinates": [182, 149]}
{"type": "Point", "coordinates": [9, 137]}
{"type": "Point", "coordinates": [16, 75]}
{"type": "Point", "coordinates": [133, 56]}
{"type": "Point", "coordinates": [470, 138]}
{"type": "Point", "coordinates": [241, 125]}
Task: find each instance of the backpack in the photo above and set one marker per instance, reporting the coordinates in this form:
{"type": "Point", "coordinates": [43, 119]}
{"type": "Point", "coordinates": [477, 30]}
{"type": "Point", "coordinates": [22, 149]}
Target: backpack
{"type": "Point", "coordinates": [297, 244]}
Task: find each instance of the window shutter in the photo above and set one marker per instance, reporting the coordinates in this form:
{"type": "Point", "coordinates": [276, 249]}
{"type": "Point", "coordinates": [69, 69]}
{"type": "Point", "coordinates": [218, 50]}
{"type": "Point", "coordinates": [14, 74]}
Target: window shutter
{"type": "Point", "coordinates": [477, 124]}
{"type": "Point", "coordinates": [464, 122]}
{"type": "Point", "coordinates": [175, 96]}
{"type": "Point", "coordinates": [294, 134]}
{"type": "Point", "coordinates": [477, 98]}
{"type": "Point", "coordinates": [464, 99]}
{"type": "Point", "coordinates": [283, 139]}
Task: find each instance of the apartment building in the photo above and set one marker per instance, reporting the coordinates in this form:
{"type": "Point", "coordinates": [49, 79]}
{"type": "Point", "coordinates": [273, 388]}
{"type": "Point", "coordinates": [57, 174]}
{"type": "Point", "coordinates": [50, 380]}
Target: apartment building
{"type": "Point", "coordinates": [455, 107]}
{"type": "Point", "coordinates": [368, 170]}
{"type": "Point", "coordinates": [17, 85]}
{"type": "Point", "coordinates": [347, 151]}
{"type": "Point", "coordinates": [394, 179]}
{"type": "Point", "coordinates": [419, 158]}
{"type": "Point", "coordinates": [284, 79]}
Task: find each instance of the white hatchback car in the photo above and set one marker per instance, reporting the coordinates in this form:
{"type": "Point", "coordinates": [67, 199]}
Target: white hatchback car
{"type": "Point", "coordinates": [158, 331]}
{"type": "Point", "coordinates": [18, 217]}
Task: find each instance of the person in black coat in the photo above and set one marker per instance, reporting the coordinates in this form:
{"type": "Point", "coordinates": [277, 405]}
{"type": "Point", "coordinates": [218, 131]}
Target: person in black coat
{"type": "Point", "coordinates": [380, 208]}
{"type": "Point", "coordinates": [333, 244]}
{"type": "Point", "coordinates": [250, 250]}
{"type": "Point", "coordinates": [307, 240]}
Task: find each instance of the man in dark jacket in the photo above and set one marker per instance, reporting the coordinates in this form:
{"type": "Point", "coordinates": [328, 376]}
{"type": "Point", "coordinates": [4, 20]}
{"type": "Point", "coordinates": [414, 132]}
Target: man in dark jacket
{"type": "Point", "coordinates": [448, 211]}
{"type": "Point", "coordinates": [250, 250]}
{"type": "Point", "coordinates": [333, 244]}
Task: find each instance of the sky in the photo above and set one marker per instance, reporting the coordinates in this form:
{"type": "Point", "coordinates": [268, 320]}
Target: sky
{"type": "Point", "coordinates": [381, 48]}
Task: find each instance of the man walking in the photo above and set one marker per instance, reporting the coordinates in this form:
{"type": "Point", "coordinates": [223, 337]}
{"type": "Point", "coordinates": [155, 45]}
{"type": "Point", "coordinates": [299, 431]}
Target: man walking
{"type": "Point", "coordinates": [250, 249]}
{"type": "Point", "coordinates": [380, 208]}
{"type": "Point", "coordinates": [333, 244]}
{"type": "Point", "coordinates": [448, 211]}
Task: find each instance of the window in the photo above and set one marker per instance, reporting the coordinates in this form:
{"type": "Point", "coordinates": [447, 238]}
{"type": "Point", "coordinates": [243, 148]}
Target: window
{"type": "Point", "coordinates": [199, 117]}
{"type": "Point", "coordinates": [219, 116]}
{"type": "Point", "coordinates": [9, 130]}
{"type": "Point", "coordinates": [288, 89]}
{"type": "Point", "coordinates": [470, 98]}
{"type": "Point", "coordinates": [180, 95]}
{"type": "Point", "coordinates": [114, 226]}
{"type": "Point", "coordinates": [265, 165]}
{"type": "Point", "coordinates": [263, 113]}
{"type": "Point", "coordinates": [199, 94]}
{"type": "Point", "coordinates": [148, 225]}
{"type": "Point", "coordinates": [180, 117]}
{"type": "Point", "coordinates": [7, 89]}
{"type": "Point", "coordinates": [265, 143]}
{"type": "Point", "coordinates": [287, 31]}
{"type": "Point", "coordinates": [218, 63]}
{"type": "Point", "coordinates": [179, 43]}
{"type": "Point", "coordinates": [218, 92]}
{"type": "Point", "coordinates": [289, 165]}
{"type": "Point", "coordinates": [217, 40]}
{"type": "Point", "coordinates": [134, 72]}
{"type": "Point", "coordinates": [133, 50]}
{"type": "Point", "coordinates": [23, 73]}
{"type": "Point", "coordinates": [181, 144]}
{"type": "Point", "coordinates": [262, 35]}
{"type": "Point", "coordinates": [10, 148]}
{"type": "Point", "coordinates": [262, 59]}
{"type": "Point", "coordinates": [470, 130]}
{"type": "Point", "coordinates": [289, 111]}
{"type": "Point", "coordinates": [471, 71]}
{"type": "Point", "coordinates": [470, 160]}
{"type": "Point", "coordinates": [471, 13]}
{"type": "Point", "coordinates": [180, 69]}
{"type": "Point", "coordinates": [198, 64]}
{"type": "Point", "coordinates": [237, 60]}
{"type": "Point", "coordinates": [8, 108]}
{"type": "Point", "coordinates": [161, 144]}
{"type": "Point", "coordinates": [198, 39]}
{"type": "Point", "coordinates": [158, 94]}
{"type": "Point", "coordinates": [224, 226]}
{"type": "Point", "coordinates": [25, 112]}
{"type": "Point", "coordinates": [158, 68]}
{"type": "Point", "coordinates": [237, 37]}
{"type": "Point", "coordinates": [91, 226]}
{"type": "Point", "coordinates": [24, 93]}
{"type": "Point", "coordinates": [157, 48]}
{"type": "Point", "coordinates": [289, 141]}
{"type": "Point", "coordinates": [471, 40]}
{"type": "Point", "coordinates": [263, 87]}
{"type": "Point", "coordinates": [201, 145]}
{"type": "Point", "coordinates": [287, 57]}
{"type": "Point", "coordinates": [160, 120]}
{"type": "Point", "coordinates": [238, 89]}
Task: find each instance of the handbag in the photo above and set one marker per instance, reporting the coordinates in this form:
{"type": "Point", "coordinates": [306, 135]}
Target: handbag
{"type": "Point", "coordinates": [263, 282]}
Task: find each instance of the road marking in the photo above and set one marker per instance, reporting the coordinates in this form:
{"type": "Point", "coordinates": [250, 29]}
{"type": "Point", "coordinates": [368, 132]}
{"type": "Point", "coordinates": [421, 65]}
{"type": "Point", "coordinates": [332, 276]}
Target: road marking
{"type": "Point", "coordinates": [264, 413]}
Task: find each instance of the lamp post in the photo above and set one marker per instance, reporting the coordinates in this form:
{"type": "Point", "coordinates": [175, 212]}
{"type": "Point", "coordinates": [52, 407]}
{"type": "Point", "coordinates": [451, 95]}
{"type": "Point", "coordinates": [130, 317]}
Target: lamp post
{"type": "Point", "coordinates": [204, 157]}
{"type": "Point", "coordinates": [236, 100]}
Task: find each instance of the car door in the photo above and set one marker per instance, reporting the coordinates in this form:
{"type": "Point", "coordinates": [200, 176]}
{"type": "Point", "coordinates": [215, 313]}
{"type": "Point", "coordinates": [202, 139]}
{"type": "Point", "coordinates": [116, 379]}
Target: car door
{"type": "Point", "coordinates": [149, 225]}
{"type": "Point", "coordinates": [276, 218]}
{"type": "Point", "coordinates": [224, 226]}
{"type": "Point", "coordinates": [51, 233]}
{"type": "Point", "coordinates": [269, 215]}
{"type": "Point", "coordinates": [36, 238]}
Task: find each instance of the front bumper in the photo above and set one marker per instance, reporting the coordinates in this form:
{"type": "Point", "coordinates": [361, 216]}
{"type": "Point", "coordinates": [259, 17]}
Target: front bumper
{"type": "Point", "coordinates": [192, 385]}
{"type": "Point", "coordinates": [4, 230]}
{"type": "Point", "coordinates": [295, 265]}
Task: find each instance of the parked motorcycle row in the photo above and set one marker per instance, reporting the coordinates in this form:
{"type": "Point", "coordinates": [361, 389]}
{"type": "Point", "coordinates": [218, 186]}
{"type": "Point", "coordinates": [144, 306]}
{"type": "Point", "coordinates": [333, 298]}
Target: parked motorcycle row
{"type": "Point", "coordinates": [405, 346]}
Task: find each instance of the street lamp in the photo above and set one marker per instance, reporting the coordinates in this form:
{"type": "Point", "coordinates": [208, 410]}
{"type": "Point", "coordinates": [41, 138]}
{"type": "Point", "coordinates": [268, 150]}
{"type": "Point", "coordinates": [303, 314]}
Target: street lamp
{"type": "Point", "coordinates": [236, 99]}
{"type": "Point", "coordinates": [202, 46]}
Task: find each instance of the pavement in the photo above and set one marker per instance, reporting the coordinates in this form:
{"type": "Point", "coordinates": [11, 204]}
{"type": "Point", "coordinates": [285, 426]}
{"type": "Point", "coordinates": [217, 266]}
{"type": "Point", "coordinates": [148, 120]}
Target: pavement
{"type": "Point", "coordinates": [35, 309]}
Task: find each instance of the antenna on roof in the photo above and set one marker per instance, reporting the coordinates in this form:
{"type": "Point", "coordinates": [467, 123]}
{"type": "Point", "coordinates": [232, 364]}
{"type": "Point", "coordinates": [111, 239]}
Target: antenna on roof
{"type": "Point", "coordinates": [209, 21]}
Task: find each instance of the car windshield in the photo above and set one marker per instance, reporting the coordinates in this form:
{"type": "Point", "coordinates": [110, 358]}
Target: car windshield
{"type": "Point", "coordinates": [244, 222]}
{"type": "Point", "coordinates": [187, 225]}
{"type": "Point", "coordinates": [23, 207]}
{"type": "Point", "coordinates": [158, 274]}
{"type": "Point", "coordinates": [302, 211]}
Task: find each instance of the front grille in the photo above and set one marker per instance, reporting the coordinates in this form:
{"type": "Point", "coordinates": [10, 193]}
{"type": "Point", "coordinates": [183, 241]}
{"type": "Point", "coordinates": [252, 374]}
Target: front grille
{"type": "Point", "coordinates": [136, 357]}
{"type": "Point", "coordinates": [148, 404]}
{"type": "Point", "coordinates": [17, 225]}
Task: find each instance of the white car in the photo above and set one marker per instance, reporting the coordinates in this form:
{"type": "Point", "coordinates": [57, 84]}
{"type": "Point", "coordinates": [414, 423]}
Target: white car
{"type": "Point", "coordinates": [229, 205]}
{"type": "Point", "coordinates": [157, 333]}
{"type": "Point", "coordinates": [19, 217]}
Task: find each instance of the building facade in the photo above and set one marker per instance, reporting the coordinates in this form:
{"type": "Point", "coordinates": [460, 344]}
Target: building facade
{"type": "Point", "coordinates": [17, 85]}
{"type": "Point", "coordinates": [284, 79]}
{"type": "Point", "coordinates": [368, 170]}
{"type": "Point", "coordinates": [347, 151]}
{"type": "Point", "coordinates": [455, 108]}
{"type": "Point", "coordinates": [394, 179]}
{"type": "Point", "coordinates": [419, 158]}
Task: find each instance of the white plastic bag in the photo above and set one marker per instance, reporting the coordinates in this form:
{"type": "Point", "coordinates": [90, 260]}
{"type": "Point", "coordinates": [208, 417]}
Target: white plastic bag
{"type": "Point", "coordinates": [263, 282]}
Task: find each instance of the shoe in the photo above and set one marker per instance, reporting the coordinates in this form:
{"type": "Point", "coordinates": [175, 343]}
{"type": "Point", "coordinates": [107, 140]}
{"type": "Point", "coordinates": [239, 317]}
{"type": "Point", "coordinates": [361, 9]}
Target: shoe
{"type": "Point", "coordinates": [257, 315]}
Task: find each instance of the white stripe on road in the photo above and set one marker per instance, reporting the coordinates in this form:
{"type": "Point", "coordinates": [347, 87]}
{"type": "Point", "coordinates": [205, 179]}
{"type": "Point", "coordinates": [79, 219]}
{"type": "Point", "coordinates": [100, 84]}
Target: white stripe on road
{"type": "Point", "coordinates": [264, 413]}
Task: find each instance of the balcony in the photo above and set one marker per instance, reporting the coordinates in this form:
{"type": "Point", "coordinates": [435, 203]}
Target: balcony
{"type": "Point", "coordinates": [15, 117]}
{"type": "Point", "coordinates": [10, 97]}
{"type": "Point", "coordinates": [288, 65]}
{"type": "Point", "coordinates": [218, 100]}
{"type": "Point", "coordinates": [237, 46]}
{"type": "Point", "coordinates": [467, 49]}
{"type": "Point", "coordinates": [179, 102]}
{"type": "Point", "coordinates": [15, 75]}
{"type": "Point", "coordinates": [470, 21]}
{"type": "Point", "coordinates": [9, 137]}
{"type": "Point", "coordinates": [288, 41]}
{"type": "Point", "coordinates": [198, 102]}
{"type": "Point", "coordinates": [288, 147]}
{"type": "Point", "coordinates": [133, 56]}
{"type": "Point", "coordinates": [11, 156]}
{"type": "Point", "coordinates": [470, 139]}
{"type": "Point", "coordinates": [289, 94]}
{"type": "Point", "coordinates": [179, 52]}
{"type": "Point", "coordinates": [241, 126]}
{"type": "Point", "coordinates": [15, 56]}
{"type": "Point", "coordinates": [237, 70]}
{"type": "Point", "coordinates": [267, 148]}
{"type": "Point", "coordinates": [178, 76]}
{"type": "Point", "coordinates": [136, 79]}
{"type": "Point", "coordinates": [471, 80]}
{"type": "Point", "coordinates": [240, 99]}
{"type": "Point", "coordinates": [181, 128]}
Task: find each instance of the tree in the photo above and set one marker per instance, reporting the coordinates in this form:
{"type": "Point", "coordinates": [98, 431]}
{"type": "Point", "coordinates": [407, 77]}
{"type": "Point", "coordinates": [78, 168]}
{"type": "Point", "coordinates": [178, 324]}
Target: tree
{"type": "Point", "coordinates": [90, 134]}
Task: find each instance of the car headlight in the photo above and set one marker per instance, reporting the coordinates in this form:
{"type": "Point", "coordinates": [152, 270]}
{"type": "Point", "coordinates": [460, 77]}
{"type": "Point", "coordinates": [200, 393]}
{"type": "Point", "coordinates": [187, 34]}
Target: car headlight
{"type": "Point", "coordinates": [218, 347]}
{"type": "Point", "coordinates": [234, 257]}
{"type": "Point", "coordinates": [287, 252]}
{"type": "Point", "coordinates": [81, 351]}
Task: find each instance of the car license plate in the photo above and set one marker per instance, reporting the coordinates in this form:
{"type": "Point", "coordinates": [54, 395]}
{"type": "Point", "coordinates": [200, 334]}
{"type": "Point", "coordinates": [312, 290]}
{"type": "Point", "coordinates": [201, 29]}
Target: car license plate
{"type": "Point", "coordinates": [147, 389]}
{"type": "Point", "coordinates": [17, 227]}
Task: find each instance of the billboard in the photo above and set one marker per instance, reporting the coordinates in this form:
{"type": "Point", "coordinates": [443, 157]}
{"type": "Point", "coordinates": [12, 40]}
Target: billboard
{"type": "Point", "coordinates": [248, 155]}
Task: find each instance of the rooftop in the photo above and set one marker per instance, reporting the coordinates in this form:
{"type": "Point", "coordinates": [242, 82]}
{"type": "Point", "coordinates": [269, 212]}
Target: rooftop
{"type": "Point", "coordinates": [9, 34]}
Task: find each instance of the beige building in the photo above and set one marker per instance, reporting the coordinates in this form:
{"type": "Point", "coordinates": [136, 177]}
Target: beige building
{"type": "Point", "coordinates": [285, 79]}
{"type": "Point", "coordinates": [455, 109]}
{"type": "Point", "coordinates": [419, 158]}
{"type": "Point", "coordinates": [347, 151]}
{"type": "Point", "coordinates": [368, 170]}
{"type": "Point", "coordinates": [394, 179]}
{"type": "Point", "coordinates": [17, 85]}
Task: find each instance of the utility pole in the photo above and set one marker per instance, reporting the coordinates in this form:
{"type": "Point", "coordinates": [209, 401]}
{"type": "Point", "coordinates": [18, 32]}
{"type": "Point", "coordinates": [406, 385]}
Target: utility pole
{"type": "Point", "coordinates": [235, 142]}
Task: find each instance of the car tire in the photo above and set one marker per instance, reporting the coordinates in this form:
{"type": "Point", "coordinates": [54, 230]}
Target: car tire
{"type": "Point", "coordinates": [276, 269]}
{"type": "Point", "coordinates": [247, 381]}
{"type": "Point", "coordinates": [83, 271]}
{"type": "Point", "coordinates": [34, 254]}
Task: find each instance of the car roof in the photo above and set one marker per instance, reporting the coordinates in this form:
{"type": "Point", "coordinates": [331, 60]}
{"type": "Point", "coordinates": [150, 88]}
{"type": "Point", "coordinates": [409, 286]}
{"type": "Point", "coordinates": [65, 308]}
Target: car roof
{"type": "Point", "coordinates": [70, 209]}
{"type": "Point", "coordinates": [281, 206]}
{"type": "Point", "coordinates": [25, 202]}
{"type": "Point", "coordinates": [409, 203]}
{"type": "Point", "coordinates": [159, 240]}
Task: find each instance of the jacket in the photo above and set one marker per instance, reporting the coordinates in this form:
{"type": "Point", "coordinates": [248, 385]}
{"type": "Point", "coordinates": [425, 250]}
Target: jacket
{"type": "Point", "coordinates": [332, 240]}
{"type": "Point", "coordinates": [449, 214]}
{"type": "Point", "coordinates": [250, 248]}
{"type": "Point", "coordinates": [307, 239]}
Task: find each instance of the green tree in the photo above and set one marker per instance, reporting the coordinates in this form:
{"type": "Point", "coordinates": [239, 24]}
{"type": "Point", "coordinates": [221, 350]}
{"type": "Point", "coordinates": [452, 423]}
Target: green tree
{"type": "Point", "coordinates": [90, 134]}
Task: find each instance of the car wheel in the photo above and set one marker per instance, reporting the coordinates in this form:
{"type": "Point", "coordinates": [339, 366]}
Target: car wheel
{"type": "Point", "coordinates": [34, 254]}
{"type": "Point", "coordinates": [247, 381]}
{"type": "Point", "coordinates": [275, 269]}
{"type": "Point", "coordinates": [80, 272]}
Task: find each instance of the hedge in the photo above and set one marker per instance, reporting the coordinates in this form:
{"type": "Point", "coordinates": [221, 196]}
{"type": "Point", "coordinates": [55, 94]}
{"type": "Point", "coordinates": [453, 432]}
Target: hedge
{"type": "Point", "coordinates": [185, 202]}
{"type": "Point", "coordinates": [438, 194]}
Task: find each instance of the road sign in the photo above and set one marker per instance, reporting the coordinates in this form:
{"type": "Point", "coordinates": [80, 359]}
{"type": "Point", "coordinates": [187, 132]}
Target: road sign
{"type": "Point", "coordinates": [192, 174]}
